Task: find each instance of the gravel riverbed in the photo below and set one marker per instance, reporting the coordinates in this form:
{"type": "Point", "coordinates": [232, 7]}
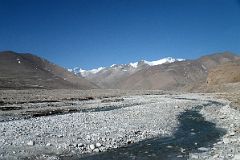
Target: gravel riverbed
{"type": "Point", "coordinates": [137, 118]}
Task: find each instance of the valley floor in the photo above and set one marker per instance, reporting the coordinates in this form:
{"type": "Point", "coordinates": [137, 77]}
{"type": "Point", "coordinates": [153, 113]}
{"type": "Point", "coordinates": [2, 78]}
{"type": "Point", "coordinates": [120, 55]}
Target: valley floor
{"type": "Point", "coordinates": [64, 124]}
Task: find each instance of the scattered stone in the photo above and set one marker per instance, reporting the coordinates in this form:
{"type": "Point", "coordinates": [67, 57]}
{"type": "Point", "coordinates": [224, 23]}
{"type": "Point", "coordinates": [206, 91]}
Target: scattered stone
{"type": "Point", "coordinates": [232, 133]}
{"type": "Point", "coordinates": [230, 155]}
{"type": "Point", "coordinates": [92, 146]}
{"type": "Point", "coordinates": [203, 149]}
{"type": "Point", "coordinates": [226, 140]}
{"type": "Point", "coordinates": [96, 150]}
{"type": "Point", "coordinates": [80, 145]}
{"type": "Point", "coordinates": [192, 133]}
{"type": "Point", "coordinates": [78, 127]}
{"type": "Point", "coordinates": [182, 150]}
{"type": "Point", "coordinates": [88, 137]}
{"type": "Point", "coordinates": [129, 141]}
{"type": "Point", "coordinates": [30, 143]}
{"type": "Point", "coordinates": [48, 144]}
{"type": "Point", "coordinates": [194, 156]}
{"type": "Point", "coordinates": [222, 117]}
{"type": "Point", "coordinates": [60, 136]}
{"type": "Point", "coordinates": [98, 144]}
{"type": "Point", "coordinates": [169, 146]}
{"type": "Point", "coordinates": [220, 142]}
{"type": "Point", "coordinates": [215, 156]}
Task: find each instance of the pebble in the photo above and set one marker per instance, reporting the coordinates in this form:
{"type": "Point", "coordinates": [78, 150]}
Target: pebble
{"type": "Point", "coordinates": [222, 117]}
{"type": "Point", "coordinates": [80, 145]}
{"type": "Point", "coordinates": [226, 140]}
{"type": "Point", "coordinates": [194, 156]}
{"type": "Point", "coordinates": [96, 150]}
{"type": "Point", "coordinates": [88, 137]}
{"type": "Point", "coordinates": [203, 149]}
{"type": "Point", "coordinates": [92, 146]}
{"type": "Point", "coordinates": [169, 146]}
{"type": "Point", "coordinates": [98, 144]}
{"type": "Point", "coordinates": [30, 143]}
{"type": "Point", "coordinates": [48, 144]}
{"type": "Point", "coordinates": [60, 136]}
{"type": "Point", "coordinates": [232, 133]}
{"type": "Point", "coordinates": [129, 141]}
{"type": "Point", "coordinates": [215, 156]}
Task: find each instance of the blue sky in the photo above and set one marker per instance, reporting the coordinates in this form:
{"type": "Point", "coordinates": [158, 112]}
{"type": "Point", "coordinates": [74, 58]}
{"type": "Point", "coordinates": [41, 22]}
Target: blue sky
{"type": "Point", "coordinates": [94, 33]}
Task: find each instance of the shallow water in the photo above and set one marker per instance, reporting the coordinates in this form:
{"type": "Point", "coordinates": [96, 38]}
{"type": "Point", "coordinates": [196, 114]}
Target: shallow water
{"type": "Point", "coordinates": [193, 132]}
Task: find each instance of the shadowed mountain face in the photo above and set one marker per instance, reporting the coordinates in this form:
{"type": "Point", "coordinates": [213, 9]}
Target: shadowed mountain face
{"type": "Point", "coordinates": [21, 71]}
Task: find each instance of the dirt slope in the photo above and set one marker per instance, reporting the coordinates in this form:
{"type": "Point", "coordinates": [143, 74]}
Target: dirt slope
{"type": "Point", "coordinates": [225, 73]}
{"type": "Point", "coordinates": [185, 75]}
{"type": "Point", "coordinates": [19, 71]}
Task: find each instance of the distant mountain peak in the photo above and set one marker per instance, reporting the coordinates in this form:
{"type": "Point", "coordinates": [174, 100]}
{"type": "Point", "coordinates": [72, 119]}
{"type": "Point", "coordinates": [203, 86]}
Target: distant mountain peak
{"type": "Point", "coordinates": [124, 67]}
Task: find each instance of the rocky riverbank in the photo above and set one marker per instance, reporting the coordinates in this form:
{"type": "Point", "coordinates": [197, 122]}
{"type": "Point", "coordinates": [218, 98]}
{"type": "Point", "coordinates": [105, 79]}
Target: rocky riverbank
{"type": "Point", "coordinates": [84, 133]}
{"type": "Point", "coordinates": [228, 147]}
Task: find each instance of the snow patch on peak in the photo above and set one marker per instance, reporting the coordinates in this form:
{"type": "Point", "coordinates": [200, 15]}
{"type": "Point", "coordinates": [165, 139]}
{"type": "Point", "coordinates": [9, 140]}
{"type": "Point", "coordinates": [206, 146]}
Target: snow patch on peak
{"type": "Point", "coordinates": [161, 61]}
{"type": "Point", "coordinates": [70, 70]}
{"type": "Point", "coordinates": [157, 62]}
{"type": "Point", "coordinates": [96, 70]}
{"type": "Point", "coordinates": [85, 73]}
{"type": "Point", "coordinates": [134, 65]}
{"type": "Point", "coordinates": [113, 65]}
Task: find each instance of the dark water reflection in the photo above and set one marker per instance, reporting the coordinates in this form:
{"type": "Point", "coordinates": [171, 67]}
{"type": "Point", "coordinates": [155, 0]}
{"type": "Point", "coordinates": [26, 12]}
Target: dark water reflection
{"type": "Point", "coordinates": [193, 132]}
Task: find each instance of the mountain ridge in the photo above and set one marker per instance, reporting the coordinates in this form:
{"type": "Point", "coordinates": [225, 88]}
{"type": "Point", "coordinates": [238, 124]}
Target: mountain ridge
{"type": "Point", "coordinates": [185, 75]}
{"type": "Point", "coordinates": [84, 73]}
{"type": "Point", "coordinates": [111, 77]}
{"type": "Point", "coordinates": [25, 70]}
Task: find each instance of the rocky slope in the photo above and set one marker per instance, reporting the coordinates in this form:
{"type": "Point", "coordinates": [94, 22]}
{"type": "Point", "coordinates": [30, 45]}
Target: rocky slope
{"type": "Point", "coordinates": [19, 71]}
{"type": "Point", "coordinates": [185, 75]}
{"type": "Point", "coordinates": [225, 73]}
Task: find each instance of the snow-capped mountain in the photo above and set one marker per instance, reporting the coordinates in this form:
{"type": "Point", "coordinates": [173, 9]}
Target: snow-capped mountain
{"type": "Point", "coordinates": [111, 77]}
{"type": "Point", "coordinates": [85, 73]}
{"type": "Point", "coordinates": [133, 66]}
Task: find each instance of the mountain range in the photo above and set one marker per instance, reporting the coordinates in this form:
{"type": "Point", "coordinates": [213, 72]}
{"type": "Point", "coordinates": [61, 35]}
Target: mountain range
{"type": "Point", "coordinates": [166, 74]}
{"type": "Point", "coordinates": [20, 71]}
{"type": "Point", "coordinates": [111, 77]}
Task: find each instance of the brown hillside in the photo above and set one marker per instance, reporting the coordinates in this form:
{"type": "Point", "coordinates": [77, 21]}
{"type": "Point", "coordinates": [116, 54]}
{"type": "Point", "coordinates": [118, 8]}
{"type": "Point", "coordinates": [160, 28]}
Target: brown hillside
{"type": "Point", "coordinates": [187, 75]}
{"type": "Point", "coordinates": [19, 71]}
{"type": "Point", "coordinates": [225, 73]}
